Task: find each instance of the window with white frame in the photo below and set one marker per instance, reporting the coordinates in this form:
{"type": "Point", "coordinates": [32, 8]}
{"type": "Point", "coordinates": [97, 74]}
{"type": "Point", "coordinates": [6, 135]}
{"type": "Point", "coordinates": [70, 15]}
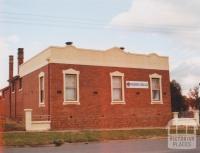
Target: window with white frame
{"type": "Point", "coordinates": [71, 86]}
{"type": "Point", "coordinates": [117, 87]}
{"type": "Point", "coordinates": [41, 89]}
{"type": "Point", "coordinates": [156, 88]}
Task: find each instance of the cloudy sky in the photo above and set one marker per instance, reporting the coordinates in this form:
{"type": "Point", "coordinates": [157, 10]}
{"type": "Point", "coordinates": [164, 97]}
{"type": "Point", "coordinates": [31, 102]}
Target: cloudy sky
{"type": "Point", "coordinates": [167, 27]}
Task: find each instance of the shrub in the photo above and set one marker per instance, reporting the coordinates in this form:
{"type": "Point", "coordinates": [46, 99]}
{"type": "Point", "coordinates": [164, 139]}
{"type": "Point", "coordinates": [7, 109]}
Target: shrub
{"type": "Point", "coordinates": [58, 142]}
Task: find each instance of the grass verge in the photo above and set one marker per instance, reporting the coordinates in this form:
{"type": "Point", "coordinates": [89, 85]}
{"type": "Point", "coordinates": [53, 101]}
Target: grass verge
{"type": "Point", "coordinates": [44, 138]}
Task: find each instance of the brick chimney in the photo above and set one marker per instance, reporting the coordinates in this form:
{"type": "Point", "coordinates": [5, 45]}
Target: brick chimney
{"type": "Point", "coordinates": [11, 60]}
{"type": "Point", "coordinates": [20, 57]}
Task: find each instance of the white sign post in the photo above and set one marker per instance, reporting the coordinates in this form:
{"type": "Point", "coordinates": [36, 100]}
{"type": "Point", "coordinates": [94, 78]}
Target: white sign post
{"type": "Point", "coordinates": [137, 84]}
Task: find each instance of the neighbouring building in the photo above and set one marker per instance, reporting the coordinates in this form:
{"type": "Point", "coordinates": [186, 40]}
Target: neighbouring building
{"type": "Point", "coordinates": [2, 113]}
{"type": "Point", "coordinates": [90, 89]}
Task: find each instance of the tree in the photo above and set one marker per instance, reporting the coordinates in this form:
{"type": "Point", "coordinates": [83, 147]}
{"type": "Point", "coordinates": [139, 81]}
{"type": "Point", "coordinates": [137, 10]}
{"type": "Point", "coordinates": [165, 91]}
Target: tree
{"type": "Point", "coordinates": [194, 99]}
{"type": "Point", "coordinates": [177, 99]}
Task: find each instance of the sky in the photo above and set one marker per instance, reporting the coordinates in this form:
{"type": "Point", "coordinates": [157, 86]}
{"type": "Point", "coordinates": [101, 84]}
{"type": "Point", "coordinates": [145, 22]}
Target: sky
{"type": "Point", "coordinates": [166, 27]}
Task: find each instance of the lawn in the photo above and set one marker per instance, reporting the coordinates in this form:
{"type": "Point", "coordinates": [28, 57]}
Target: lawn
{"type": "Point", "coordinates": [50, 137]}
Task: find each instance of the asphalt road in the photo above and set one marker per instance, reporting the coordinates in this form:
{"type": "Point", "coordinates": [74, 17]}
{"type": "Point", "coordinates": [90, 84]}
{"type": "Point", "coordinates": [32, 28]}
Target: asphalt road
{"type": "Point", "coordinates": [122, 146]}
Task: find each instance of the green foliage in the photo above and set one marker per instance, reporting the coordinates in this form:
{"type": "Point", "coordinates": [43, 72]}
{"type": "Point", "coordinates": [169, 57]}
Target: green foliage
{"type": "Point", "coordinates": [58, 138]}
{"type": "Point", "coordinates": [58, 142]}
{"type": "Point", "coordinates": [194, 99]}
{"type": "Point", "coordinates": [13, 126]}
{"type": "Point", "coordinates": [177, 99]}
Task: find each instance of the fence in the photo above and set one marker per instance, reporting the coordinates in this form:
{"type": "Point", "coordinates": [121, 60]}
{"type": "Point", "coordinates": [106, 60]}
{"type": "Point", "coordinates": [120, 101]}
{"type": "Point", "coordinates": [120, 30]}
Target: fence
{"type": "Point", "coordinates": [41, 118]}
{"type": "Point", "coordinates": [191, 120]}
{"type": "Point", "coordinates": [185, 138]}
{"type": "Point", "coordinates": [186, 114]}
{"type": "Point", "coordinates": [36, 122]}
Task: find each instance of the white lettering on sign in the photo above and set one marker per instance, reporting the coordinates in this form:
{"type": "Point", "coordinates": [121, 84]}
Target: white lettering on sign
{"type": "Point", "coordinates": [137, 84]}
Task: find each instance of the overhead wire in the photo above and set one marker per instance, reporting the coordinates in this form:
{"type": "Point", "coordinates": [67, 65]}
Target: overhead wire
{"type": "Point", "coordinates": [58, 21]}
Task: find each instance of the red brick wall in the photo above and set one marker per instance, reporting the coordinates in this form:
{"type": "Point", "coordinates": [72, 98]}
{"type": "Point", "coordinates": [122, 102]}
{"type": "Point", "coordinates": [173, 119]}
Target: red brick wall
{"type": "Point", "coordinates": [19, 101]}
{"type": "Point", "coordinates": [27, 97]}
{"type": "Point", "coordinates": [13, 107]}
{"type": "Point", "coordinates": [2, 106]}
{"type": "Point", "coordinates": [7, 103]}
{"type": "Point", "coordinates": [14, 103]}
{"type": "Point", "coordinates": [31, 92]}
{"type": "Point", "coordinates": [2, 115]}
{"type": "Point", "coordinates": [96, 111]}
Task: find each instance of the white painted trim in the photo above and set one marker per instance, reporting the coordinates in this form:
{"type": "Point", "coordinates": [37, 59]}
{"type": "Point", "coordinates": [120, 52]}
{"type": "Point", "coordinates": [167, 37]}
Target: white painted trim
{"type": "Point", "coordinates": [42, 105]}
{"type": "Point", "coordinates": [71, 103]}
{"type": "Point", "coordinates": [28, 110]}
{"type": "Point", "coordinates": [40, 122]}
{"type": "Point", "coordinates": [77, 73]}
{"type": "Point", "coordinates": [155, 75]}
{"type": "Point", "coordinates": [117, 73]}
{"type": "Point", "coordinates": [41, 74]}
{"type": "Point", "coordinates": [118, 102]}
{"type": "Point", "coordinates": [71, 71]}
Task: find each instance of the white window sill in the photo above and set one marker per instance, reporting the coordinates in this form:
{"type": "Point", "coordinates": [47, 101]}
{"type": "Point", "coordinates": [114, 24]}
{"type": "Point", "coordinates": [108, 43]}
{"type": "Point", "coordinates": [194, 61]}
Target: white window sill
{"type": "Point", "coordinates": [118, 102]}
{"type": "Point", "coordinates": [20, 90]}
{"type": "Point", "coordinates": [156, 102]}
{"type": "Point", "coordinates": [13, 92]}
{"type": "Point", "coordinates": [71, 103]}
{"type": "Point", "coordinates": [42, 105]}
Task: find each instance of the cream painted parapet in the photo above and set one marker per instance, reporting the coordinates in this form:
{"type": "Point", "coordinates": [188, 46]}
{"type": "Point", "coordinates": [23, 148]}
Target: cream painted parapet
{"type": "Point", "coordinates": [114, 57]}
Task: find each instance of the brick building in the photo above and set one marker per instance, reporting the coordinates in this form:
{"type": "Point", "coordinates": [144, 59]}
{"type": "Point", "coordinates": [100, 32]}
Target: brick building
{"type": "Point", "coordinates": [90, 89]}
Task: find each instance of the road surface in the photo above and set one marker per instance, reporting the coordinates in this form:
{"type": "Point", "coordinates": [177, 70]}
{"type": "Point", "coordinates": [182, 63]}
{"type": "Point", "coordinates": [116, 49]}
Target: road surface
{"type": "Point", "coordinates": [117, 146]}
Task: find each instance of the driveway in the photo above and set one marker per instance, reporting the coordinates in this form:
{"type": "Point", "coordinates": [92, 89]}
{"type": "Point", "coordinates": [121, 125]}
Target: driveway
{"type": "Point", "coordinates": [122, 146]}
